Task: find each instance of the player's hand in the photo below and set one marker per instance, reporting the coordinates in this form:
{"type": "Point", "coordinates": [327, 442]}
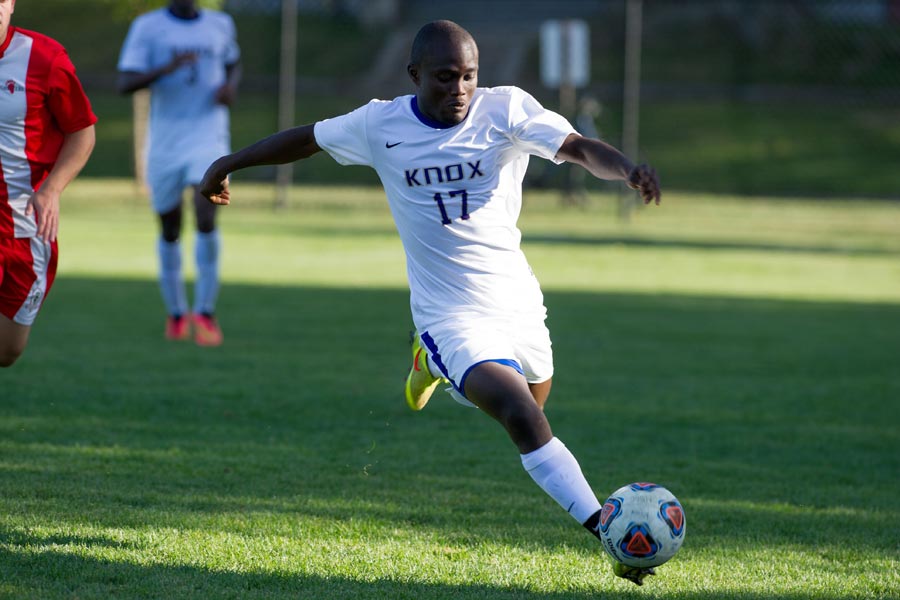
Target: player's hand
{"type": "Point", "coordinates": [214, 186]}
{"type": "Point", "coordinates": [179, 59]}
{"type": "Point", "coordinates": [217, 193]}
{"type": "Point", "coordinates": [643, 179]}
{"type": "Point", "coordinates": [226, 94]}
{"type": "Point", "coordinates": [44, 204]}
{"type": "Point", "coordinates": [635, 575]}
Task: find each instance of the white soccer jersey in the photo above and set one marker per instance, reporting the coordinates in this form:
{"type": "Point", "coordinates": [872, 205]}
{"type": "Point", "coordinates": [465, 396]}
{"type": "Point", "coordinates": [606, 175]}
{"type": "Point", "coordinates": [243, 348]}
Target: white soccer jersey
{"type": "Point", "coordinates": [184, 117]}
{"type": "Point", "coordinates": [455, 194]}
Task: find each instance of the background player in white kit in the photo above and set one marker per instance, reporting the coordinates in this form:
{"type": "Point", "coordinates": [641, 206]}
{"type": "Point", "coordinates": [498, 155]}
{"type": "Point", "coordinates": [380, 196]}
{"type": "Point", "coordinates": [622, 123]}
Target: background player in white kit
{"type": "Point", "coordinates": [189, 58]}
{"type": "Point", "coordinates": [452, 159]}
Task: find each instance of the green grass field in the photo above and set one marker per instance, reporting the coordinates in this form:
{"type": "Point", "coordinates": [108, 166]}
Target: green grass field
{"type": "Point", "coordinates": [742, 353]}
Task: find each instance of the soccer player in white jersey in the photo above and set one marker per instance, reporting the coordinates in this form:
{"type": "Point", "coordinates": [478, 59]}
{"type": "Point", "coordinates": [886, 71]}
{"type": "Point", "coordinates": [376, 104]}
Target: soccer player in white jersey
{"type": "Point", "coordinates": [189, 58]}
{"type": "Point", "coordinates": [452, 158]}
{"type": "Point", "coordinates": [46, 137]}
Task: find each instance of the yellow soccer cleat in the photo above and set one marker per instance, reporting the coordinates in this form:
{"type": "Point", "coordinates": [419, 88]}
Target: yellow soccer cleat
{"type": "Point", "coordinates": [635, 575]}
{"type": "Point", "coordinates": [420, 383]}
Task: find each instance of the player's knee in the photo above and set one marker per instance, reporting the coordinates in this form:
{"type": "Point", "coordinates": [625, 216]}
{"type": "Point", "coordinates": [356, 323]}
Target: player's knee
{"type": "Point", "coordinates": [528, 429]}
{"type": "Point", "coordinates": [171, 230]}
{"type": "Point", "coordinates": [8, 357]}
{"type": "Point", "coordinates": [206, 225]}
{"type": "Point", "coordinates": [206, 219]}
{"type": "Point", "coordinates": [526, 417]}
{"type": "Point", "coordinates": [520, 416]}
{"type": "Point", "coordinates": [12, 346]}
{"type": "Point", "coordinates": [170, 223]}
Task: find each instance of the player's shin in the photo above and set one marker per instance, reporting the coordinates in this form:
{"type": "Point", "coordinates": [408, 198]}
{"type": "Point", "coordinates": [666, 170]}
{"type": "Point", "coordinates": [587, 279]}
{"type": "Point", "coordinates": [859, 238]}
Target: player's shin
{"type": "Point", "coordinates": [170, 279]}
{"type": "Point", "coordinates": [206, 252]}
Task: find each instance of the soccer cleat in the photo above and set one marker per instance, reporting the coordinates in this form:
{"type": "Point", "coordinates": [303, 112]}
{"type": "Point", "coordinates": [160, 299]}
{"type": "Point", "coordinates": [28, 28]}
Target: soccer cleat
{"type": "Point", "coordinates": [633, 574]}
{"type": "Point", "coordinates": [206, 331]}
{"type": "Point", "coordinates": [420, 383]}
{"type": "Point", "coordinates": [178, 328]}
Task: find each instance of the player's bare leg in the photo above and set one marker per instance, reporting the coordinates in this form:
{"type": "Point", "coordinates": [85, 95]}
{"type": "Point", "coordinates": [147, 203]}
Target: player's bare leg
{"type": "Point", "coordinates": [13, 340]}
{"type": "Point", "coordinates": [170, 224]}
{"type": "Point", "coordinates": [205, 211]}
{"type": "Point", "coordinates": [503, 393]}
{"type": "Point", "coordinates": [541, 391]}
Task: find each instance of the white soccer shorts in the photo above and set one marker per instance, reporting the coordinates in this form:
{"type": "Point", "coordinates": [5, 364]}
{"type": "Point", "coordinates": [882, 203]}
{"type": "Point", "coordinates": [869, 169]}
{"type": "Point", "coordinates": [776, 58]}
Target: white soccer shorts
{"type": "Point", "coordinates": [168, 178]}
{"type": "Point", "coordinates": [456, 346]}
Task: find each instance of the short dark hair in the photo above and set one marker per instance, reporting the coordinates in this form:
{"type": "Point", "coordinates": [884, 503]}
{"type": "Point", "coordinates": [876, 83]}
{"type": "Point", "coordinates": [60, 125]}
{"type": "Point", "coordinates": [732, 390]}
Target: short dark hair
{"type": "Point", "coordinates": [430, 33]}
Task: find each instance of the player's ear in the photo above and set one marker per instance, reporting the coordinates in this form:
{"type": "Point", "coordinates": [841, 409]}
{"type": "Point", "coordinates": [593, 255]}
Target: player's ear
{"type": "Point", "coordinates": [413, 73]}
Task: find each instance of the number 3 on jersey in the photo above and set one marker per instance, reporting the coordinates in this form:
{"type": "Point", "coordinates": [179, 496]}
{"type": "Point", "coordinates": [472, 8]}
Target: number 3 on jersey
{"type": "Point", "coordinates": [439, 198]}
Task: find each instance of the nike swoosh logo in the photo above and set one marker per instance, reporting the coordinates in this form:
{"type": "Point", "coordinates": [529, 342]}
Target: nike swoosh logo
{"type": "Point", "coordinates": [386, 145]}
{"type": "Point", "coordinates": [416, 366]}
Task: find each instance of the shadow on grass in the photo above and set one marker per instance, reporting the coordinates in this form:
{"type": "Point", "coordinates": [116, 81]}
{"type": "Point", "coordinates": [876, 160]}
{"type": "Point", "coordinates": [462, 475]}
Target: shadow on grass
{"type": "Point", "coordinates": [788, 406]}
{"type": "Point", "coordinates": [657, 242]}
{"type": "Point", "coordinates": [45, 573]}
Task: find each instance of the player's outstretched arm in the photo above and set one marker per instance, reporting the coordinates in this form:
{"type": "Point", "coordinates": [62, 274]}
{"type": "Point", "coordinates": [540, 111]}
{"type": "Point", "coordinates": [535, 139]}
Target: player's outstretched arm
{"type": "Point", "coordinates": [606, 162]}
{"type": "Point", "coordinates": [129, 82]}
{"type": "Point", "coordinates": [283, 147]}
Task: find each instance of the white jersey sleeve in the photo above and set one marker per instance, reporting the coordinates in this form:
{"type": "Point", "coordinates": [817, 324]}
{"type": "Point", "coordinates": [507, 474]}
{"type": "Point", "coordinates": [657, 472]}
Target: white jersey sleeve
{"type": "Point", "coordinates": [534, 129]}
{"type": "Point", "coordinates": [135, 54]}
{"type": "Point", "coordinates": [346, 138]}
{"type": "Point", "coordinates": [232, 51]}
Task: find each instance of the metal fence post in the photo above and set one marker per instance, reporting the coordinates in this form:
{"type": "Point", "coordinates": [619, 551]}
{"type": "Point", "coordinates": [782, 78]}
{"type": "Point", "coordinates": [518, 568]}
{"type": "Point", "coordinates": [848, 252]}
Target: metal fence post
{"type": "Point", "coordinates": [287, 81]}
{"type": "Point", "coordinates": [632, 95]}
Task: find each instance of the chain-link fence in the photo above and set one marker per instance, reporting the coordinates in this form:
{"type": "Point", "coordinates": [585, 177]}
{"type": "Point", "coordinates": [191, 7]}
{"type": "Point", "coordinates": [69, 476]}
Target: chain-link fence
{"type": "Point", "coordinates": [763, 96]}
{"type": "Point", "coordinates": [796, 97]}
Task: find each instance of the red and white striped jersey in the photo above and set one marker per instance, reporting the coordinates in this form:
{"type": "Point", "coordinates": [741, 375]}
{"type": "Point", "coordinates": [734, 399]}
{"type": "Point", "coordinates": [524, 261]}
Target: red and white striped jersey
{"type": "Point", "coordinates": [41, 101]}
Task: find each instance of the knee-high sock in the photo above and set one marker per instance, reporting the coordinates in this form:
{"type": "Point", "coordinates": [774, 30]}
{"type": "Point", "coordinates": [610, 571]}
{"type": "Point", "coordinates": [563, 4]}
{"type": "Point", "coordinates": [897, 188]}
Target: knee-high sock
{"type": "Point", "coordinates": [206, 288]}
{"type": "Point", "coordinates": [557, 472]}
{"type": "Point", "coordinates": [171, 283]}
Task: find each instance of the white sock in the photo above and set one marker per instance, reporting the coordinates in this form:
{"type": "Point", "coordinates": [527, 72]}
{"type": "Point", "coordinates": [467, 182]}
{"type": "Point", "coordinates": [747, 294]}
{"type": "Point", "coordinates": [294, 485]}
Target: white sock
{"type": "Point", "coordinates": [206, 287]}
{"type": "Point", "coordinates": [170, 282]}
{"type": "Point", "coordinates": [557, 472]}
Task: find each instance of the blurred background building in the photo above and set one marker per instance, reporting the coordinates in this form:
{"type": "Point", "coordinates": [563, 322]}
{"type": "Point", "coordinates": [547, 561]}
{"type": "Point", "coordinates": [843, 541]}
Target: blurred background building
{"type": "Point", "coordinates": [789, 97]}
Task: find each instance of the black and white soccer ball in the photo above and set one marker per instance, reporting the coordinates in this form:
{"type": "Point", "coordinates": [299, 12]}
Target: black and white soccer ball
{"type": "Point", "coordinates": [642, 525]}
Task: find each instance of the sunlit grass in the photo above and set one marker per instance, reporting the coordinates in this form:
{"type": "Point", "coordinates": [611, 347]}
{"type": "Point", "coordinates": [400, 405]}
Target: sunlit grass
{"type": "Point", "coordinates": [742, 353]}
{"type": "Point", "coordinates": [710, 245]}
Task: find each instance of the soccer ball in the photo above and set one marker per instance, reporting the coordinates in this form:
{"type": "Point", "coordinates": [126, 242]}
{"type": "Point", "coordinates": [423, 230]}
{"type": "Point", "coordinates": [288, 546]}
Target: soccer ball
{"type": "Point", "coordinates": [642, 525]}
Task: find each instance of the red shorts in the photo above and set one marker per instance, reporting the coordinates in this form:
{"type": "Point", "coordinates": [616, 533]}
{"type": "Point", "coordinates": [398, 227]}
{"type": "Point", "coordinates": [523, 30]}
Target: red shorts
{"type": "Point", "coordinates": [27, 270]}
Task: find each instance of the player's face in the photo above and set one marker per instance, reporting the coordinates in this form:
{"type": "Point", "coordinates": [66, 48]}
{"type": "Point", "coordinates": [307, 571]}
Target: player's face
{"type": "Point", "coordinates": [446, 80]}
{"type": "Point", "coordinates": [7, 7]}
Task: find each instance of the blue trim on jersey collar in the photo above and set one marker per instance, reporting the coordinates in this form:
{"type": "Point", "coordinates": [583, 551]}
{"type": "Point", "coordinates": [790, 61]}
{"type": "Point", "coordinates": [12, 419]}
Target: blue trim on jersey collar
{"type": "Point", "coordinates": [429, 121]}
